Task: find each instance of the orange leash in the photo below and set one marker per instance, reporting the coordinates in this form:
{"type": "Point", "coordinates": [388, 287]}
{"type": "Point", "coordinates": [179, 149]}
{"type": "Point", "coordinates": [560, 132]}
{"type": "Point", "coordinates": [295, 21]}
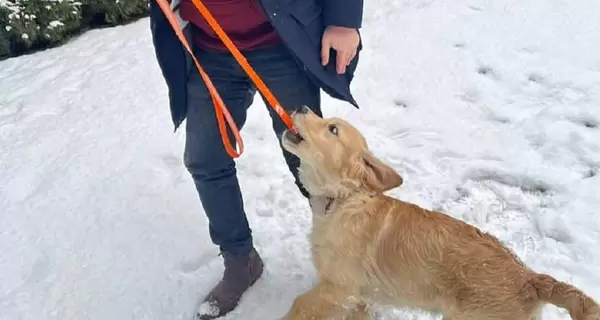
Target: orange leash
{"type": "Point", "coordinates": [220, 108]}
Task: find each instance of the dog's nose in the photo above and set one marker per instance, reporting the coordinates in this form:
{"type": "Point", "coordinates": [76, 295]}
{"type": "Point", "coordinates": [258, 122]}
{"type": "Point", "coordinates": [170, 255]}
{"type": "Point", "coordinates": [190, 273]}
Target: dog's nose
{"type": "Point", "coordinates": [304, 110]}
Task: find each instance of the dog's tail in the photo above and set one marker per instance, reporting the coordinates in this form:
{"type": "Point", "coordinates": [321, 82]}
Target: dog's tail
{"type": "Point", "coordinates": [579, 305]}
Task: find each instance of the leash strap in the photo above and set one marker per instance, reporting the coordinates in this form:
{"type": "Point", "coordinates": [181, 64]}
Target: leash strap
{"type": "Point", "coordinates": [221, 111]}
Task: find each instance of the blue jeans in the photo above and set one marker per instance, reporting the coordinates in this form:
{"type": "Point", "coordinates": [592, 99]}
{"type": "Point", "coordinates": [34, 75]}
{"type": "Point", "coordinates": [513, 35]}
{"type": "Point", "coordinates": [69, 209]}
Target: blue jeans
{"type": "Point", "coordinates": [212, 169]}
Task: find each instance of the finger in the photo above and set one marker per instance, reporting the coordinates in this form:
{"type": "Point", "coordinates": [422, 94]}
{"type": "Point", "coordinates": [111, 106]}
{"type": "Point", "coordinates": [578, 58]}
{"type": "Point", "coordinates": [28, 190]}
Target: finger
{"type": "Point", "coordinates": [325, 47]}
{"type": "Point", "coordinates": [351, 57]}
{"type": "Point", "coordinates": [342, 62]}
{"type": "Point", "coordinates": [346, 59]}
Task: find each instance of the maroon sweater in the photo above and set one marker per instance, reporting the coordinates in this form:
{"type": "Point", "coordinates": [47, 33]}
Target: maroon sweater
{"type": "Point", "coordinates": [244, 21]}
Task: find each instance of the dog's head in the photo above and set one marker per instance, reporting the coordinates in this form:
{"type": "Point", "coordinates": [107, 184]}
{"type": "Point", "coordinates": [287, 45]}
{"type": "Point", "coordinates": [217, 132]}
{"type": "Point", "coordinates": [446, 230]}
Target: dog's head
{"type": "Point", "coordinates": [335, 157]}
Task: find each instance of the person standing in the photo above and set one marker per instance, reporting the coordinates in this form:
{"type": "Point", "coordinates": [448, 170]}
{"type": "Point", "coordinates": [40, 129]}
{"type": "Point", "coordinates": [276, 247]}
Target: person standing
{"type": "Point", "coordinates": [297, 47]}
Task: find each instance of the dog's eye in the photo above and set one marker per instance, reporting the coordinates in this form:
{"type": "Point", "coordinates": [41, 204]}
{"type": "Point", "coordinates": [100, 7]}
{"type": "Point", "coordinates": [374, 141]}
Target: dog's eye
{"type": "Point", "coordinates": [333, 129]}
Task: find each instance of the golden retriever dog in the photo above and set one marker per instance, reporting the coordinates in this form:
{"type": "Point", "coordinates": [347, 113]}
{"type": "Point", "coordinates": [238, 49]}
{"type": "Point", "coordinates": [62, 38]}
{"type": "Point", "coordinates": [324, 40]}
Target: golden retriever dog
{"type": "Point", "coordinates": [369, 248]}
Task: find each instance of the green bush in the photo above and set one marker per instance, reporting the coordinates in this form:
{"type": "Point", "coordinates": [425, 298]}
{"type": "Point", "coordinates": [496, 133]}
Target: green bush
{"type": "Point", "coordinates": [29, 25]}
{"type": "Point", "coordinates": [111, 13]}
{"type": "Point", "coordinates": [36, 24]}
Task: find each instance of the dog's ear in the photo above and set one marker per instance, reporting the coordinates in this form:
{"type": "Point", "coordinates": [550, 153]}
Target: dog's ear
{"type": "Point", "coordinates": [377, 175]}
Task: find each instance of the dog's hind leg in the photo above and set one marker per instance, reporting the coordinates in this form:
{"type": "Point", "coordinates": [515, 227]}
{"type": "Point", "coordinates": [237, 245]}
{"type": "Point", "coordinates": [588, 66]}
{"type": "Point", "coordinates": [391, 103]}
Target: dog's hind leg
{"type": "Point", "coordinates": [325, 301]}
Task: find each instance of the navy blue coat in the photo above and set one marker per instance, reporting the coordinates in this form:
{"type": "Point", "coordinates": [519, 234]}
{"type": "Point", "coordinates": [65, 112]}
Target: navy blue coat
{"type": "Point", "coordinates": [300, 24]}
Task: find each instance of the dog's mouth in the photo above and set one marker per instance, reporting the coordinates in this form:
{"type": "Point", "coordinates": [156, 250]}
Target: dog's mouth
{"type": "Point", "coordinates": [294, 138]}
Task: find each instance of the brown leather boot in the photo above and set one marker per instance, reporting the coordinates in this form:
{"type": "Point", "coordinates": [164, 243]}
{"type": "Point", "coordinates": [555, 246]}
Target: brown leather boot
{"type": "Point", "coordinates": [241, 272]}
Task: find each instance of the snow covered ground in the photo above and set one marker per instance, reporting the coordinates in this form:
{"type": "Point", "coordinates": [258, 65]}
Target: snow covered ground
{"type": "Point", "coordinates": [489, 109]}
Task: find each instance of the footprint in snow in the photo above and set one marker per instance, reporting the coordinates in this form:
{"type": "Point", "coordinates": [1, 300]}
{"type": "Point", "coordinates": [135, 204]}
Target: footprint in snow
{"type": "Point", "coordinates": [400, 103]}
{"type": "Point", "coordinates": [174, 168]}
{"type": "Point", "coordinates": [592, 172]}
{"type": "Point", "coordinates": [525, 183]}
{"type": "Point", "coordinates": [536, 78]}
{"type": "Point", "coordinates": [488, 72]}
{"type": "Point", "coordinates": [192, 265]}
{"type": "Point", "coordinates": [470, 96]}
{"type": "Point", "coordinates": [588, 123]}
{"type": "Point", "coordinates": [265, 212]}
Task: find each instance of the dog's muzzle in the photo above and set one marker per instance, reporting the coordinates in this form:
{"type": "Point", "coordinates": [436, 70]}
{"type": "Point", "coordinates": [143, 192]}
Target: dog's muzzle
{"type": "Point", "coordinates": [292, 137]}
{"type": "Point", "coordinates": [303, 110]}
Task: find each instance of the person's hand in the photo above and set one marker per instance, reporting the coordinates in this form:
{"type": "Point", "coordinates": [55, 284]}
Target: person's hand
{"type": "Point", "coordinates": [344, 41]}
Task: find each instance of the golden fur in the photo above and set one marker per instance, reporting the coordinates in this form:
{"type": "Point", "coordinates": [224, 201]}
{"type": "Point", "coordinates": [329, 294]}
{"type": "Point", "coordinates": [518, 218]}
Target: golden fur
{"type": "Point", "coordinates": [370, 248]}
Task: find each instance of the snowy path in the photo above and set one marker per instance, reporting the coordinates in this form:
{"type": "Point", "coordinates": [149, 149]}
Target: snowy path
{"type": "Point", "coordinates": [490, 111]}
